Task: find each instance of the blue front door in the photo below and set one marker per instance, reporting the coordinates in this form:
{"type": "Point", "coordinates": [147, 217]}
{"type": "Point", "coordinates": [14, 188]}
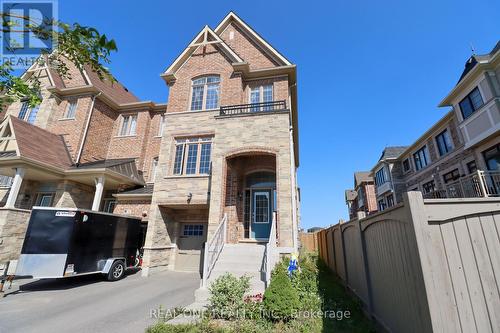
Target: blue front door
{"type": "Point", "coordinates": [261, 213]}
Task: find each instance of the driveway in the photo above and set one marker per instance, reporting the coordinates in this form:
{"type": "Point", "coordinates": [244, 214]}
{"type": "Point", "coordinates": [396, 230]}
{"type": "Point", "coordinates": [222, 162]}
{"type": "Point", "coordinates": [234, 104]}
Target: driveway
{"type": "Point", "coordinates": [90, 304]}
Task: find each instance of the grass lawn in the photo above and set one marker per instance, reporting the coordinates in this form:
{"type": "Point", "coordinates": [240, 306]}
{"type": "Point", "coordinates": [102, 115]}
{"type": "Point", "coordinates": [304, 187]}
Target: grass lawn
{"type": "Point", "coordinates": [327, 296]}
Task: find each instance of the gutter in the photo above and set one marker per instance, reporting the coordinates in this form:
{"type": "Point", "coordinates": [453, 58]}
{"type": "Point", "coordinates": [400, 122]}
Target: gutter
{"type": "Point", "coordinates": [91, 109]}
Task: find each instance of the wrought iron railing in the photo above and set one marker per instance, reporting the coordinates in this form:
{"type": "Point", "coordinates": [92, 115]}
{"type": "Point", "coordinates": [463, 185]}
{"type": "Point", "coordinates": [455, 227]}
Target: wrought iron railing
{"type": "Point", "coordinates": [231, 110]}
{"type": "Point", "coordinates": [213, 248]}
{"type": "Point", "coordinates": [270, 252]}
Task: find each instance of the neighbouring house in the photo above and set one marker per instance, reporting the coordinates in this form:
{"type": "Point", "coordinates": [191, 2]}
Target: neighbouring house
{"type": "Point", "coordinates": [459, 156]}
{"type": "Point", "coordinates": [88, 140]}
{"type": "Point", "coordinates": [386, 173]}
{"type": "Point", "coordinates": [217, 165]}
{"type": "Point", "coordinates": [362, 199]}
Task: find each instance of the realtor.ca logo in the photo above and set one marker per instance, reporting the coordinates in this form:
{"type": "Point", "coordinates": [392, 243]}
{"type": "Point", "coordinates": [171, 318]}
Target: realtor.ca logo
{"type": "Point", "coordinates": [27, 31]}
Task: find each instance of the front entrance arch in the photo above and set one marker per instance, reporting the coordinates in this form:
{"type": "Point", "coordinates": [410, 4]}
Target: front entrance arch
{"type": "Point", "coordinates": [250, 195]}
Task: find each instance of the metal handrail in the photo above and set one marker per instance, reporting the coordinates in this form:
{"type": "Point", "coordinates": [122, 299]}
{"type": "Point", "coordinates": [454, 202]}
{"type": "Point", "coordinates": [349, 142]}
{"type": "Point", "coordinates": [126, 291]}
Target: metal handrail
{"type": "Point", "coordinates": [213, 248]}
{"type": "Point", "coordinates": [252, 108]}
{"type": "Point", "coordinates": [269, 253]}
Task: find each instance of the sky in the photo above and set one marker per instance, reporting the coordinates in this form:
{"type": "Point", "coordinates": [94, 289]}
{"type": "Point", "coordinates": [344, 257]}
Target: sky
{"type": "Point", "coordinates": [370, 73]}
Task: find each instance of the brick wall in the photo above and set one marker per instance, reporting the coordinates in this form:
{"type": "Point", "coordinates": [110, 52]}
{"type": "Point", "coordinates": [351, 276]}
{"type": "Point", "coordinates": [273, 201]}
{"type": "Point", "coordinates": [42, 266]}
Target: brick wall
{"type": "Point", "coordinates": [248, 50]}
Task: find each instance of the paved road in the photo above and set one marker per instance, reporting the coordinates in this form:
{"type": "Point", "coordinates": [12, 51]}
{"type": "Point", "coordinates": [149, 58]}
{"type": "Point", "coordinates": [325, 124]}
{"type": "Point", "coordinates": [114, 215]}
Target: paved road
{"type": "Point", "coordinates": [90, 304]}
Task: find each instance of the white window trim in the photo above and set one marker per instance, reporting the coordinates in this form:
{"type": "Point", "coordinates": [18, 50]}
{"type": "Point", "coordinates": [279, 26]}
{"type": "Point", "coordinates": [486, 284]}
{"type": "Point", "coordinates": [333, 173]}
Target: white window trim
{"type": "Point", "coordinates": [161, 127]}
{"type": "Point", "coordinates": [204, 99]}
{"type": "Point", "coordinates": [185, 155]}
{"type": "Point", "coordinates": [122, 120]}
{"type": "Point", "coordinates": [261, 92]}
{"type": "Point", "coordinates": [153, 170]}
{"type": "Point", "coordinates": [64, 117]}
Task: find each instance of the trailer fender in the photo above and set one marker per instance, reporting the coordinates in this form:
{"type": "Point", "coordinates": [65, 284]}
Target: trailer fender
{"type": "Point", "coordinates": [106, 264]}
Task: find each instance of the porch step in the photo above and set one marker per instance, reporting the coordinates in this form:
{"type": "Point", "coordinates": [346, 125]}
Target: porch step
{"type": "Point", "coordinates": [238, 260]}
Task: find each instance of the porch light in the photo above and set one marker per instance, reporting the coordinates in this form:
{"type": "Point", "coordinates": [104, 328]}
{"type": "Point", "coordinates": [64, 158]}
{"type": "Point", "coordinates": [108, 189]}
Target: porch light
{"type": "Point", "coordinates": [190, 196]}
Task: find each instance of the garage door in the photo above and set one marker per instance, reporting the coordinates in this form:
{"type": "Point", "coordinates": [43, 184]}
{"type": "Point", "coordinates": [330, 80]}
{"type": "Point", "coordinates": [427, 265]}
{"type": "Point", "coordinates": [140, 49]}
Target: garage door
{"type": "Point", "coordinates": [190, 243]}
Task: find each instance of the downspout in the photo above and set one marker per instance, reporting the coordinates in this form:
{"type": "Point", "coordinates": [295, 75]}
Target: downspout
{"type": "Point", "coordinates": [293, 180]}
{"type": "Point", "coordinates": [91, 110]}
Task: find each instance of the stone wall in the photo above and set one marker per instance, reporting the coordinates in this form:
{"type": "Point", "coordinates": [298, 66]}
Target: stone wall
{"type": "Point", "coordinates": [13, 225]}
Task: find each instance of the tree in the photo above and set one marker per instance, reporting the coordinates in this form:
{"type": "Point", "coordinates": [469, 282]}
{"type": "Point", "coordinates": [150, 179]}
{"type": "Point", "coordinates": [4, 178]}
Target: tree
{"type": "Point", "coordinates": [81, 45]}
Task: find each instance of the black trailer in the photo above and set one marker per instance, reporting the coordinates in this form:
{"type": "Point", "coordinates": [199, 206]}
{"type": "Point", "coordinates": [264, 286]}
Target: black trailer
{"type": "Point", "coordinates": [63, 242]}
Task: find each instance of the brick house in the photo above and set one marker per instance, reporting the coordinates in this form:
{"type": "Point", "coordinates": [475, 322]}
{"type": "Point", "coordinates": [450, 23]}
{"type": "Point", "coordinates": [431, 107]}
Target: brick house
{"type": "Point", "coordinates": [224, 149]}
{"type": "Point", "coordinates": [362, 198]}
{"type": "Point", "coordinates": [230, 148]}
{"type": "Point", "coordinates": [88, 140]}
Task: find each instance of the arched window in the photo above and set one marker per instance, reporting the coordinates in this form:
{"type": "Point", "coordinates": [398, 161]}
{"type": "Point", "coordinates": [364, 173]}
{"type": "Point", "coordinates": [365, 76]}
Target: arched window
{"type": "Point", "coordinates": [205, 93]}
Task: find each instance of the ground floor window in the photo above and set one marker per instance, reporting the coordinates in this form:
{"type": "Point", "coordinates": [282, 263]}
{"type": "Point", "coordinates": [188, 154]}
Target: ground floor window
{"type": "Point", "coordinates": [472, 167]}
{"type": "Point", "coordinates": [429, 187]}
{"type": "Point", "coordinates": [44, 199]}
{"type": "Point", "coordinates": [381, 205]}
{"type": "Point", "coordinates": [193, 230]}
{"type": "Point", "coordinates": [492, 158]}
{"type": "Point", "coordinates": [451, 176]}
{"type": "Point", "coordinates": [390, 200]}
{"type": "Point", "coordinates": [109, 205]}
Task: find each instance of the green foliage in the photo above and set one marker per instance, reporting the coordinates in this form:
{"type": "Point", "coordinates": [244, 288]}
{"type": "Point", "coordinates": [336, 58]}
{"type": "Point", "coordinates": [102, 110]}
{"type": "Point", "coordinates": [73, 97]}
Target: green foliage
{"type": "Point", "coordinates": [83, 46]}
{"type": "Point", "coordinates": [226, 296]}
{"type": "Point", "coordinates": [281, 299]}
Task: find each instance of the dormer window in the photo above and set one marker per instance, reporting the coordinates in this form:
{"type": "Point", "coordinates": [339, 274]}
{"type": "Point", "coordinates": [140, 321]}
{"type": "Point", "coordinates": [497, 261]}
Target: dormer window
{"type": "Point", "coordinates": [471, 103]}
{"type": "Point", "coordinates": [205, 93]}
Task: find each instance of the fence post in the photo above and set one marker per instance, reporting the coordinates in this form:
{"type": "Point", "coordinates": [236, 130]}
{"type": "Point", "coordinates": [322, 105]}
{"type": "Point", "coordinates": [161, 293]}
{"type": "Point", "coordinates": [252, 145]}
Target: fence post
{"type": "Point", "coordinates": [365, 267]}
{"type": "Point", "coordinates": [342, 247]}
{"type": "Point", "coordinates": [482, 183]}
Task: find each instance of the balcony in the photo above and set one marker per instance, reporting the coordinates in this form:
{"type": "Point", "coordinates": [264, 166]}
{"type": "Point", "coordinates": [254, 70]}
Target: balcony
{"type": "Point", "coordinates": [383, 188]}
{"type": "Point", "coordinates": [245, 109]}
{"type": "Point", "coordinates": [479, 184]}
{"type": "Point", "coordinates": [482, 123]}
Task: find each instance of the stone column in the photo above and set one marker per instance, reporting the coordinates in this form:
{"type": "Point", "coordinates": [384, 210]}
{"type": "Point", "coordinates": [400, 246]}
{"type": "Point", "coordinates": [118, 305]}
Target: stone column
{"type": "Point", "coordinates": [99, 188]}
{"type": "Point", "coordinates": [14, 189]}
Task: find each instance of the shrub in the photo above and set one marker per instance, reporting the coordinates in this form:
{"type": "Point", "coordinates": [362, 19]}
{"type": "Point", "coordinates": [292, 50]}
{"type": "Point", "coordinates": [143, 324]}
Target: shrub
{"type": "Point", "coordinates": [226, 296]}
{"type": "Point", "coordinates": [281, 300]}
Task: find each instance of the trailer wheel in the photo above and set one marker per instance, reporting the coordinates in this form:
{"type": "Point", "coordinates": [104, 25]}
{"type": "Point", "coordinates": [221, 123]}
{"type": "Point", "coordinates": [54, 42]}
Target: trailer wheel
{"type": "Point", "coordinates": [117, 271]}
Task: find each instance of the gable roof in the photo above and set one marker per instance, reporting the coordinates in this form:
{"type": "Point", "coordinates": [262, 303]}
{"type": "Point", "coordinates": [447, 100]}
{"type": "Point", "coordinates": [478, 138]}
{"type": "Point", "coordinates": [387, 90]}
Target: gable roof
{"type": "Point", "coordinates": [392, 152]}
{"type": "Point", "coordinates": [114, 89]}
{"type": "Point", "coordinates": [362, 176]}
{"type": "Point", "coordinates": [350, 195]}
{"type": "Point", "coordinates": [232, 17]}
{"type": "Point", "coordinates": [39, 145]}
{"type": "Point", "coordinates": [205, 37]}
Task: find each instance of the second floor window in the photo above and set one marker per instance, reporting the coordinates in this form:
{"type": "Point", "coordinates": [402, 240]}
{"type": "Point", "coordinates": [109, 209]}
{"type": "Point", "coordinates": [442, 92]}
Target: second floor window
{"type": "Point", "coordinates": [193, 156]}
{"type": "Point", "coordinates": [28, 114]}
{"type": "Point", "coordinates": [471, 103]}
{"type": "Point", "coordinates": [406, 165]}
{"type": "Point", "coordinates": [129, 125]}
{"type": "Point", "coordinates": [421, 158]}
{"type": "Point", "coordinates": [390, 200]}
{"type": "Point", "coordinates": [380, 177]}
{"type": "Point", "coordinates": [261, 94]}
{"type": "Point", "coordinates": [71, 109]}
{"type": "Point", "coordinates": [444, 143]}
{"type": "Point", "coordinates": [205, 93]}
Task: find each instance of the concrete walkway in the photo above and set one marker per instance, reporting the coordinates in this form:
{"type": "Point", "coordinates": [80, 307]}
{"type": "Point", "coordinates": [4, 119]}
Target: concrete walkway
{"type": "Point", "coordinates": [90, 304]}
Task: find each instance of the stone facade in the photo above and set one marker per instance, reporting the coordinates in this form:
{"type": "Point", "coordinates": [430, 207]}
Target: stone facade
{"type": "Point", "coordinates": [13, 225]}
